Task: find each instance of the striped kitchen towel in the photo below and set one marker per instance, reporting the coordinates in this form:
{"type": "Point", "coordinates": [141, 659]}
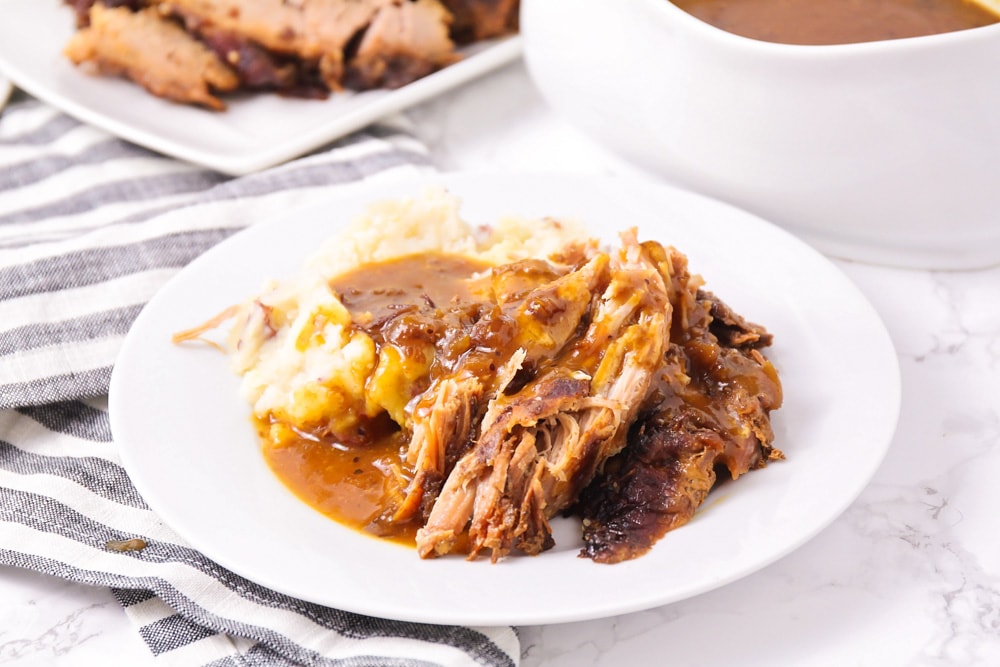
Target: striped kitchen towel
{"type": "Point", "coordinates": [90, 228]}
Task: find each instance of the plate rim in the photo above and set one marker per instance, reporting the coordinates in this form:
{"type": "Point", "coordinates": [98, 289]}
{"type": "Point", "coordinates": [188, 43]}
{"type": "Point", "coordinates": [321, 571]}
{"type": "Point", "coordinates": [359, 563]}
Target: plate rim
{"type": "Point", "coordinates": [888, 427]}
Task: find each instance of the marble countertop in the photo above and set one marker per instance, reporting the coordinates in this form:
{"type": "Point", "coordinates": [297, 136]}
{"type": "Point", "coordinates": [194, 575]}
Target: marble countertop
{"type": "Point", "coordinates": [908, 575]}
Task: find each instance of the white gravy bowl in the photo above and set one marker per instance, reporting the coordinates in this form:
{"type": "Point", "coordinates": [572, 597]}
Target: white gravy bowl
{"type": "Point", "coordinates": [886, 152]}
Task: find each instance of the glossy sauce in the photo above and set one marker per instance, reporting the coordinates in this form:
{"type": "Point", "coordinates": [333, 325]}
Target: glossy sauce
{"type": "Point", "coordinates": [838, 21]}
{"type": "Point", "coordinates": [349, 484]}
{"type": "Point", "coordinates": [434, 281]}
{"type": "Point", "coordinates": [407, 300]}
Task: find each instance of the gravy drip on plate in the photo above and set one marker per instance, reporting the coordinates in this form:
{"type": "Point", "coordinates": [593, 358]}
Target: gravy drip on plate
{"type": "Point", "coordinates": [406, 302]}
{"type": "Point", "coordinates": [819, 22]}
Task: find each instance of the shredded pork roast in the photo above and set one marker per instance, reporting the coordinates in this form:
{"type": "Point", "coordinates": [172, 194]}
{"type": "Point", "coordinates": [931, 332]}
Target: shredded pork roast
{"type": "Point", "coordinates": [588, 381]}
{"type": "Point", "coordinates": [157, 55]}
{"type": "Point", "coordinates": [605, 384]}
{"type": "Point", "coordinates": [188, 51]}
{"type": "Point", "coordinates": [628, 388]}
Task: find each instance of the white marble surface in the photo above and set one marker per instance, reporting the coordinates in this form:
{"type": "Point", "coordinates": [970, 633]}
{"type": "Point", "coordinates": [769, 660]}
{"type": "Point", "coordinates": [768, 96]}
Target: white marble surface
{"type": "Point", "coordinates": [909, 575]}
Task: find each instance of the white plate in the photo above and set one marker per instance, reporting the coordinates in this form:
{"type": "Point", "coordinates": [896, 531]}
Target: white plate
{"type": "Point", "coordinates": [187, 442]}
{"type": "Point", "coordinates": [256, 132]}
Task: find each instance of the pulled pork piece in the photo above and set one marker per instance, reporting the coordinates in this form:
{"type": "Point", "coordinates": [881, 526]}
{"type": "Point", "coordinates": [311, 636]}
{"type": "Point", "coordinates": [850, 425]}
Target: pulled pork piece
{"type": "Point", "coordinates": [82, 8]}
{"type": "Point", "coordinates": [354, 43]}
{"type": "Point", "coordinates": [317, 31]}
{"type": "Point", "coordinates": [257, 68]}
{"type": "Point", "coordinates": [155, 53]}
{"type": "Point", "coordinates": [709, 410]}
{"type": "Point", "coordinates": [536, 322]}
{"type": "Point", "coordinates": [544, 436]}
{"type": "Point", "coordinates": [405, 41]}
{"type": "Point", "coordinates": [482, 19]}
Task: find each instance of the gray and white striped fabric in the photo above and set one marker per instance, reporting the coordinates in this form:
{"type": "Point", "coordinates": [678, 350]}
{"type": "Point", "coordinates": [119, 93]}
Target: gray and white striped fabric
{"type": "Point", "coordinates": [90, 228]}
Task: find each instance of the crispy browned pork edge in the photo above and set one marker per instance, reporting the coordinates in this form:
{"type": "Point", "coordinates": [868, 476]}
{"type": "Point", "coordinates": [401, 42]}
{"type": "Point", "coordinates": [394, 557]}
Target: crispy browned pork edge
{"type": "Point", "coordinates": [155, 53]}
{"type": "Point", "coordinates": [482, 19]}
{"type": "Point", "coordinates": [712, 412]}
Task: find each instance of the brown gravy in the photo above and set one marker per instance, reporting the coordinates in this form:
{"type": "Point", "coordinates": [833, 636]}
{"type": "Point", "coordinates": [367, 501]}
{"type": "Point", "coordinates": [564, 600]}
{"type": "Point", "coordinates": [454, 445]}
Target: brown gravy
{"type": "Point", "coordinates": [348, 483]}
{"type": "Point", "coordinates": [354, 483]}
{"type": "Point", "coordinates": [838, 21]}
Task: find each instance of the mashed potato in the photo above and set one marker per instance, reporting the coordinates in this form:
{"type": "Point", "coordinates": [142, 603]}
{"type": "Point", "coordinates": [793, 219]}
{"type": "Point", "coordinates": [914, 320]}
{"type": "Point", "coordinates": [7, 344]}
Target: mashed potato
{"type": "Point", "coordinates": [305, 367]}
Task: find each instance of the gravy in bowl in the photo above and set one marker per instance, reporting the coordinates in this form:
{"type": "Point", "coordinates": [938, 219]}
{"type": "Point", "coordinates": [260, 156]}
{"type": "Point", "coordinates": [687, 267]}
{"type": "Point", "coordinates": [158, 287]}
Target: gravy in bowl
{"type": "Point", "coordinates": [818, 22]}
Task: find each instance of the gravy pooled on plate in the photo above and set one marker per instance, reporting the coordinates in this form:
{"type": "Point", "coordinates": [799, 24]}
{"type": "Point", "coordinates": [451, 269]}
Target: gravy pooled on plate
{"type": "Point", "coordinates": [816, 22]}
{"type": "Point", "coordinates": [405, 303]}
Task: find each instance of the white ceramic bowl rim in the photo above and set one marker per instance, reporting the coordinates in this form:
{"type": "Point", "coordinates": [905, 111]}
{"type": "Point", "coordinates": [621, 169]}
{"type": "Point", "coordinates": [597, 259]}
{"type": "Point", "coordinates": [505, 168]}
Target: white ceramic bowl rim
{"type": "Point", "coordinates": [672, 12]}
{"type": "Point", "coordinates": [873, 151]}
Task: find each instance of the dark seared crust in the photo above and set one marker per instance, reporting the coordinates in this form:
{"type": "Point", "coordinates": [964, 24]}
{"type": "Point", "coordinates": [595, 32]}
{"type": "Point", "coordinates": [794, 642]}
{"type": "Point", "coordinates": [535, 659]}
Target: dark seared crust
{"type": "Point", "coordinates": [730, 328]}
{"type": "Point", "coordinates": [710, 412]}
{"type": "Point", "coordinates": [482, 19]}
{"type": "Point", "coordinates": [404, 42]}
{"type": "Point", "coordinates": [257, 68]}
{"type": "Point", "coordinates": [315, 32]}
